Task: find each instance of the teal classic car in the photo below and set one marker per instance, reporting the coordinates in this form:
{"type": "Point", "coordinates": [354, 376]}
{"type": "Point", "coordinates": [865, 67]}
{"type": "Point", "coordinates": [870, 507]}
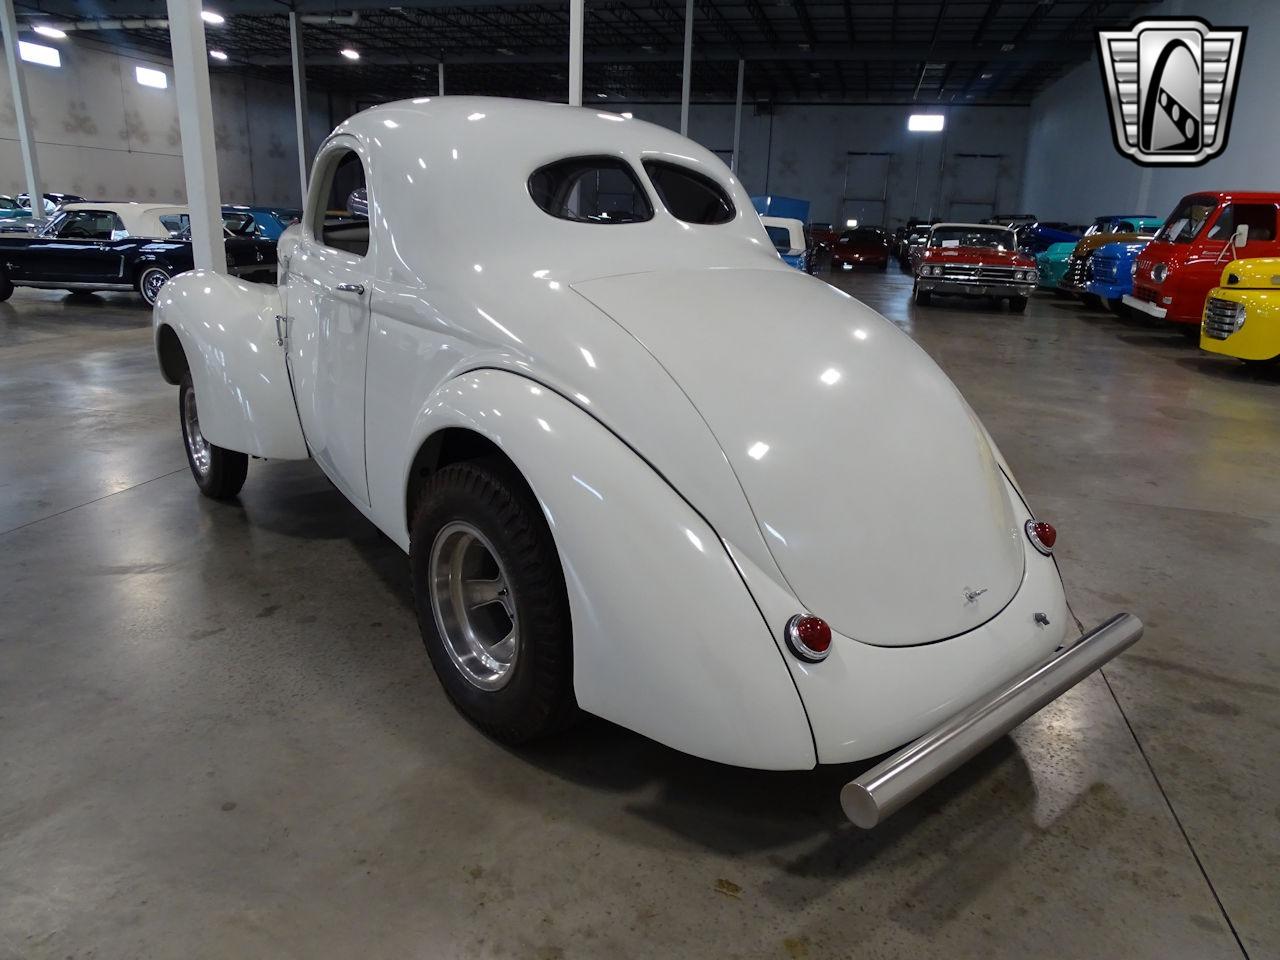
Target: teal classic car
{"type": "Point", "coordinates": [1052, 264]}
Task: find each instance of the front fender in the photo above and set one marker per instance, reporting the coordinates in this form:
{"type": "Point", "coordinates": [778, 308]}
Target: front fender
{"type": "Point", "coordinates": [227, 331]}
{"type": "Point", "coordinates": [667, 639]}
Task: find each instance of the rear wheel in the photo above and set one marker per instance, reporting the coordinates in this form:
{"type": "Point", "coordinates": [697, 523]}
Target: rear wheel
{"type": "Point", "coordinates": [150, 281]}
{"type": "Point", "coordinates": [491, 601]}
{"type": "Point", "coordinates": [1018, 304]}
{"type": "Point", "coordinates": [219, 473]}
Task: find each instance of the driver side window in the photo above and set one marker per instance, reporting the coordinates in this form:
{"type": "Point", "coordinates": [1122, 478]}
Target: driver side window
{"type": "Point", "coordinates": [337, 222]}
{"type": "Point", "coordinates": [91, 225]}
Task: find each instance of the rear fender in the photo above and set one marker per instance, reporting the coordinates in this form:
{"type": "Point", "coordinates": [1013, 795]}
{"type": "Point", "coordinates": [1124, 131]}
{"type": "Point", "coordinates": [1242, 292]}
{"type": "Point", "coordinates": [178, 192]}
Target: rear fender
{"type": "Point", "coordinates": [666, 639]}
{"type": "Point", "coordinates": [227, 331]}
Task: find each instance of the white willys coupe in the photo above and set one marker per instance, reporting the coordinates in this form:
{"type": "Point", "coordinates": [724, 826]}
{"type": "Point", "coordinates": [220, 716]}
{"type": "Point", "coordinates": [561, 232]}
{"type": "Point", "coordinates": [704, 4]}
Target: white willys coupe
{"type": "Point", "coordinates": [641, 467]}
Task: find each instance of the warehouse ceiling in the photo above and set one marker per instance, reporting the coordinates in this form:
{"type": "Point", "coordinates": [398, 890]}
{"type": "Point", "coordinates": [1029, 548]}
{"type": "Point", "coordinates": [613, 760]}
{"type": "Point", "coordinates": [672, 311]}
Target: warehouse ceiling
{"type": "Point", "coordinates": [845, 51]}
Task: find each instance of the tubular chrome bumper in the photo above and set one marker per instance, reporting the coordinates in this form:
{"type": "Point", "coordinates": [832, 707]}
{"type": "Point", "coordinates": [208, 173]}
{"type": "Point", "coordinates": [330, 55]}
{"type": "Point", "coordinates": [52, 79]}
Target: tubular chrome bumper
{"type": "Point", "coordinates": [891, 784]}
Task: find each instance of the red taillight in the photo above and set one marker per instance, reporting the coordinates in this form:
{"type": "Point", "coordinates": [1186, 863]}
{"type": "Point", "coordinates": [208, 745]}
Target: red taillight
{"type": "Point", "coordinates": [1042, 535]}
{"type": "Point", "coordinates": [809, 637]}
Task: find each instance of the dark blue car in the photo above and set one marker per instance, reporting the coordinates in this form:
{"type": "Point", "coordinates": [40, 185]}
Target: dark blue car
{"type": "Point", "coordinates": [1111, 272]}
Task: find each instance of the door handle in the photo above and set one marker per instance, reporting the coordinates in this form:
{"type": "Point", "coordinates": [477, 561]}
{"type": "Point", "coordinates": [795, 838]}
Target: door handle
{"type": "Point", "coordinates": [356, 288]}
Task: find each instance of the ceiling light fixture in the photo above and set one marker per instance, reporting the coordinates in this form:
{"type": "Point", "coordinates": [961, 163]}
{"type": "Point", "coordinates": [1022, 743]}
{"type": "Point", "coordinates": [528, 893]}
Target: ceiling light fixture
{"type": "Point", "coordinates": [603, 96]}
{"type": "Point", "coordinates": [217, 54]}
{"type": "Point", "coordinates": [349, 53]}
{"type": "Point", "coordinates": [208, 16]}
{"type": "Point", "coordinates": [47, 31]}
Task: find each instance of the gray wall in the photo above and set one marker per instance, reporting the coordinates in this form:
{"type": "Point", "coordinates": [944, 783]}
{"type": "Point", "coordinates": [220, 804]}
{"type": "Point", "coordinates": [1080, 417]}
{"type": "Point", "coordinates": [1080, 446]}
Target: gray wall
{"type": "Point", "coordinates": [802, 151]}
{"type": "Point", "coordinates": [102, 135]}
{"type": "Point", "coordinates": [1074, 171]}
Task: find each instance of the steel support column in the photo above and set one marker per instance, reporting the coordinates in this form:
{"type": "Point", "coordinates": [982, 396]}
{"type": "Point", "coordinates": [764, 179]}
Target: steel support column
{"type": "Point", "coordinates": [300, 101]}
{"type": "Point", "coordinates": [686, 76]}
{"type": "Point", "coordinates": [577, 13]}
{"type": "Point", "coordinates": [737, 117]}
{"type": "Point", "coordinates": [18, 84]}
{"type": "Point", "coordinates": [195, 123]}
{"type": "Point", "coordinates": [440, 78]}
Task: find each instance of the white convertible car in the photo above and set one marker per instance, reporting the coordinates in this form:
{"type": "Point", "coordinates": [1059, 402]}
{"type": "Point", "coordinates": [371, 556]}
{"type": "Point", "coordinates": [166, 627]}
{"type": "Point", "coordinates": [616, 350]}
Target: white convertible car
{"type": "Point", "coordinates": [641, 467]}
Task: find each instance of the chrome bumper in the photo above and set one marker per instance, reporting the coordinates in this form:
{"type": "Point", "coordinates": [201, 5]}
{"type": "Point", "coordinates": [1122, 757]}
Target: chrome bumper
{"type": "Point", "coordinates": [1144, 306]}
{"type": "Point", "coordinates": [977, 288]}
{"type": "Point", "coordinates": [891, 784]}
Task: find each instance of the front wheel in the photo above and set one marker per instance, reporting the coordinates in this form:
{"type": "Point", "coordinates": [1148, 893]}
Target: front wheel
{"type": "Point", "coordinates": [491, 601]}
{"type": "Point", "coordinates": [1117, 306]}
{"type": "Point", "coordinates": [219, 473]}
{"type": "Point", "coordinates": [1092, 301]}
{"type": "Point", "coordinates": [6, 286]}
{"type": "Point", "coordinates": [1018, 304]}
{"type": "Point", "coordinates": [923, 297]}
{"type": "Point", "coordinates": [150, 281]}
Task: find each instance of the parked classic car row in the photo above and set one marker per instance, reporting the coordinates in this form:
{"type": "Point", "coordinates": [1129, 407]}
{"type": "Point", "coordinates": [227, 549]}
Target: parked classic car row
{"type": "Point", "coordinates": [130, 246]}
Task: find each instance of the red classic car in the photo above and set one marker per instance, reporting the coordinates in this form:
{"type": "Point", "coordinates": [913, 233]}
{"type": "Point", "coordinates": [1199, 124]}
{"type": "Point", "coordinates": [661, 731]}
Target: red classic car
{"type": "Point", "coordinates": [974, 260]}
{"type": "Point", "coordinates": [862, 247]}
{"type": "Point", "coordinates": [820, 236]}
{"type": "Point", "coordinates": [1206, 231]}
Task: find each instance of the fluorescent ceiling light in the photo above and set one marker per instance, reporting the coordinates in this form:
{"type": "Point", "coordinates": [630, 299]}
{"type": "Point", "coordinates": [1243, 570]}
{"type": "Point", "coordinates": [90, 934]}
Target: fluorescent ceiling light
{"type": "Point", "coordinates": [151, 78]}
{"type": "Point", "coordinates": [926, 122]}
{"type": "Point", "coordinates": [217, 54]}
{"type": "Point", "coordinates": [47, 31]}
{"type": "Point", "coordinates": [39, 53]}
{"type": "Point", "coordinates": [603, 96]}
{"type": "Point", "coordinates": [349, 53]}
{"type": "Point", "coordinates": [208, 16]}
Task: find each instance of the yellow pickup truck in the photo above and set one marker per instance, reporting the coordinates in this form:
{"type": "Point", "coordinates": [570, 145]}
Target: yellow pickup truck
{"type": "Point", "coordinates": [1242, 316]}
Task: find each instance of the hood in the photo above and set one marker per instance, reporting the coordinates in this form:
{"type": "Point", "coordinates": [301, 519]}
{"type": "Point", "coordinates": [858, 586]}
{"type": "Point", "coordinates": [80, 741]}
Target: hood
{"type": "Point", "coordinates": [1259, 273]}
{"type": "Point", "coordinates": [1091, 243]}
{"type": "Point", "coordinates": [979, 255]}
{"type": "Point", "coordinates": [869, 477]}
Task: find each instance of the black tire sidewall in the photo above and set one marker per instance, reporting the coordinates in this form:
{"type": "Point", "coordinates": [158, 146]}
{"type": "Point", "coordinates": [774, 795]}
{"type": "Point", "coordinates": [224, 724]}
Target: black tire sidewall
{"type": "Point", "coordinates": [227, 468]}
{"type": "Point", "coordinates": [538, 698]}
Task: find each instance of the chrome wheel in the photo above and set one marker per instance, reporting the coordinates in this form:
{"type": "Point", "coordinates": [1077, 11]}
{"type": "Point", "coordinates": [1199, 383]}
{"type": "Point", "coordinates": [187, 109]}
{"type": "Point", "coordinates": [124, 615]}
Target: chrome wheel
{"type": "Point", "coordinates": [198, 451]}
{"type": "Point", "coordinates": [151, 282]}
{"type": "Point", "coordinates": [474, 610]}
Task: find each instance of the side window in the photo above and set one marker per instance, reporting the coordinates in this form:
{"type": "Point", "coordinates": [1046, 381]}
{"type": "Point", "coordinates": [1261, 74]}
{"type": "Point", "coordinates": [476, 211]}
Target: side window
{"type": "Point", "coordinates": [91, 225]}
{"type": "Point", "coordinates": [175, 222]}
{"type": "Point", "coordinates": [1259, 217]}
{"type": "Point", "coordinates": [590, 190]}
{"type": "Point", "coordinates": [688, 195]}
{"type": "Point", "coordinates": [332, 223]}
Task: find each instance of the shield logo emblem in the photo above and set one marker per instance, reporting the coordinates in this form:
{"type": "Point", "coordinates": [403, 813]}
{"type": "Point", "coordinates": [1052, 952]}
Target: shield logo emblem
{"type": "Point", "coordinates": [1171, 86]}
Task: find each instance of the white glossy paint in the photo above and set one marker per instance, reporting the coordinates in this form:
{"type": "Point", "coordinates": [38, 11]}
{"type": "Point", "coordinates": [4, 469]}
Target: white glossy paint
{"type": "Point", "coordinates": [662, 385]}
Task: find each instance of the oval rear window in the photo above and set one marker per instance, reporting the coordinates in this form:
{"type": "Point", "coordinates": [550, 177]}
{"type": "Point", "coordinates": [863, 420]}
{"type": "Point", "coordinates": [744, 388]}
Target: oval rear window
{"type": "Point", "coordinates": [688, 195]}
{"type": "Point", "coordinates": [590, 190]}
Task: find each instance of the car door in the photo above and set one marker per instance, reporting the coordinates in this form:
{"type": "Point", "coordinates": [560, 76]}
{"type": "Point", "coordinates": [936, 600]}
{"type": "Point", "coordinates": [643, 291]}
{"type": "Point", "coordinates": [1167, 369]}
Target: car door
{"type": "Point", "coordinates": [328, 282]}
{"type": "Point", "coordinates": [84, 249]}
{"type": "Point", "coordinates": [1213, 248]}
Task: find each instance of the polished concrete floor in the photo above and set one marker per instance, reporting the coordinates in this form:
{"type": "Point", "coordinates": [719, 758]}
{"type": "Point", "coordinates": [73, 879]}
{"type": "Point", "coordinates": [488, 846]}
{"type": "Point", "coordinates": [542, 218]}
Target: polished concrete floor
{"type": "Point", "coordinates": [220, 737]}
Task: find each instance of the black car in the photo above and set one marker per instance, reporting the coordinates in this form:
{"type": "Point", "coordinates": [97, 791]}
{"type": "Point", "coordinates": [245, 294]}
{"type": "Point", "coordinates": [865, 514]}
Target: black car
{"type": "Point", "coordinates": [119, 247]}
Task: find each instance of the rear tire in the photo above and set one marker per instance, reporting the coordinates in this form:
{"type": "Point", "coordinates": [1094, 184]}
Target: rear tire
{"type": "Point", "coordinates": [151, 281]}
{"type": "Point", "coordinates": [491, 601]}
{"type": "Point", "coordinates": [219, 473]}
{"type": "Point", "coordinates": [1018, 304]}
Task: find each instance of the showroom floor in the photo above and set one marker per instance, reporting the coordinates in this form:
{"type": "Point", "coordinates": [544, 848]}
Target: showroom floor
{"type": "Point", "coordinates": [221, 737]}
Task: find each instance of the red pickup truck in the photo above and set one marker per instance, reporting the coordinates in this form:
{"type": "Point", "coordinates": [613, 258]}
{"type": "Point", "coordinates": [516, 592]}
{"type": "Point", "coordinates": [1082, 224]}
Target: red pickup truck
{"type": "Point", "coordinates": [1206, 231]}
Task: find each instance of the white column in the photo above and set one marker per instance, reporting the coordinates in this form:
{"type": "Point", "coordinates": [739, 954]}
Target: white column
{"type": "Point", "coordinates": [737, 116]}
{"type": "Point", "coordinates": [195, 123]}
{"type": "Point", "coordinates": [18, 84]}
{"type": "Point", "coordinates": [440, 78]}
{"type": "Point", "coordinates": [687, 76]}
{"type": "Point", "coordinates": [577, 12]}
{"type": "Point", "coordinates": [300, 101]}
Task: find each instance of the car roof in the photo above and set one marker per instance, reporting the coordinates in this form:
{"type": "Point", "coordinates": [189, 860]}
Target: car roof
{"type": "Point", "coordinates": [140, 219]}
{"type": "Point", "coordinates": [972, 226]}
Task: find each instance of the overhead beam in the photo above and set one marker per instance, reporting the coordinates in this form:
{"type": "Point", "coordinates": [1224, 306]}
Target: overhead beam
{"type": "Point", "coordinates": [195, 124]}
{"type": "Point", "coordinates": [874, 52]}
{"type": "Point", "coordinates": [18, 84]}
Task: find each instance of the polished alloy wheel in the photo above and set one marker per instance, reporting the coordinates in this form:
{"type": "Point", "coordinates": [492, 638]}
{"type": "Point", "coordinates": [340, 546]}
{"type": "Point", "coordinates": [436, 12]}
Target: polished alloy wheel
{"type": "Point", "coordinates": [152, 281]}
{"type": "Point", "coordinates": [197, 446]}
{"type": "Point", "coordinates": [475, 612]}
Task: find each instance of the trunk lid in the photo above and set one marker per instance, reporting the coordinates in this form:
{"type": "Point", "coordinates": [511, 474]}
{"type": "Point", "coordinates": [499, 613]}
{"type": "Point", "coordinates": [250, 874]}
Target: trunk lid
{"type": "Point", "coordinates": [871, 482]}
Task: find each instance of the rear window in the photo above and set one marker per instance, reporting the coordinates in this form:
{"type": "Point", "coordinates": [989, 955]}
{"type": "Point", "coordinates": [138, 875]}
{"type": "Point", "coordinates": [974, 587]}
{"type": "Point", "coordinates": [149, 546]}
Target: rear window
{"type": "Point", "coordinates": [590, 190]}
{"type": "Point", "coordinates": [780, 236]}
{"type": "Point", "coordinates": [688, 195]}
